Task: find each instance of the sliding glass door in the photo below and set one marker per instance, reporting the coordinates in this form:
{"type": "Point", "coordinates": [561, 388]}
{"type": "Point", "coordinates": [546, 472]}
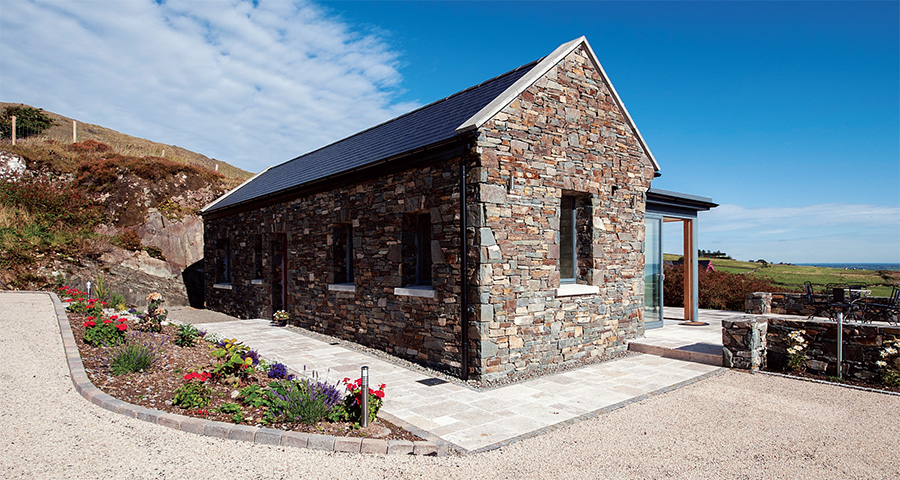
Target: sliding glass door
{"type": "Point", "coordinates": [653, 273]}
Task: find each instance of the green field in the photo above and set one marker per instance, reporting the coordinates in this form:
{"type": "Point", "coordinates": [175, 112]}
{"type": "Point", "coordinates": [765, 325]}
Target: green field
{"type": "Point", "coordinates": [793, 276]}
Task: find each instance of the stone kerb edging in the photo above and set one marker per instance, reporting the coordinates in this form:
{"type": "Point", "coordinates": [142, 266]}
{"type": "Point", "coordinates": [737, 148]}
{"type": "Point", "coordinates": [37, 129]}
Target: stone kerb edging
{"type": "Point", "coordinates": [210, 428]}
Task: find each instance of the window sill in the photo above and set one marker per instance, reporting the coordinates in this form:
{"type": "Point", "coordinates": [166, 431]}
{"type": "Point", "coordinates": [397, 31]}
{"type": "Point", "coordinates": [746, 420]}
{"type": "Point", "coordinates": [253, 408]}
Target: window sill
{"type": "Point", "coordinates": [222, 286]}
{"type": "Point", "coordinates": [423, 291]}
{"type": "Point", "coordinates": [257, 281]}
{"type": "Point", "coordinates": [341, 287]}
{"type": "Point", "coordinates": [572, 289]}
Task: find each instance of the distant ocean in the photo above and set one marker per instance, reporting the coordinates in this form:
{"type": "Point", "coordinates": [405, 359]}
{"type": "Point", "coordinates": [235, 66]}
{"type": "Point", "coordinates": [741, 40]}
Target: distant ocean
{"type": "Point", "coordinates": [855, 266]}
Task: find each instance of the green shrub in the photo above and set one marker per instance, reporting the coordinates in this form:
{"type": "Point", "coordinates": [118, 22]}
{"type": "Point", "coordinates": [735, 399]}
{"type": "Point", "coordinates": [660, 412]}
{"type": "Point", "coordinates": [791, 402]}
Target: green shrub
{"type": "Point", "coordinates": [237, 415]}
{"type": "Point", "coordinates": [191, 395]}
{"type": "Point", "coordinates": [255, 396]}
{"type": "Point", "coordinates": [99, 331]}
{"type": "Point", "coordinates": [139, 352]}
{"type": "Point", "coordinates": [29, 121]}
{"type": "Point", "coordinates": [186, 335]}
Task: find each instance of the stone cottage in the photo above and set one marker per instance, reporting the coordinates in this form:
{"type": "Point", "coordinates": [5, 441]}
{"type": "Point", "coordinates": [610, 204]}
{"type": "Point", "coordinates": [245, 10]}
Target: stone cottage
{"type": "Point", "coordinates": [495, 232]}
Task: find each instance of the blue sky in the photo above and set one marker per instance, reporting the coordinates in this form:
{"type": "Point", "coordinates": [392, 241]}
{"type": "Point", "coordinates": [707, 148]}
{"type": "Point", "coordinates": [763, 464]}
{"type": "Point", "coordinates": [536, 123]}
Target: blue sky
{"type": "Point", "coordinates": [785, 113]}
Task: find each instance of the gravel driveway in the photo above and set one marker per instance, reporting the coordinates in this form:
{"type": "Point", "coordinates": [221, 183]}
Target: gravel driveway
{"type": "Point", "coordinates": [733, 425]}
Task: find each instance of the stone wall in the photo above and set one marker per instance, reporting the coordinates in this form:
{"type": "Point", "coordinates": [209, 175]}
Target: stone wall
{"type": "Point", "coordinates": [421, 329]}
{"type": "Point", "coordinates": [764, 303]}
{"type": "Point", "coordinates": [564, 135]}
{"type": "Point", "coordinates": [862, 344]}
{"type": "Point", "coordinates": [744, 342]}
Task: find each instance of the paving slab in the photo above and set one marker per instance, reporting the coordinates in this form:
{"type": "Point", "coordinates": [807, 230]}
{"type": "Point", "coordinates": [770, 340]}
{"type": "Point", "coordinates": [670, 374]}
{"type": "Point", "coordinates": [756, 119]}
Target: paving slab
{"type": "Point", "coordinates": [468, 419]}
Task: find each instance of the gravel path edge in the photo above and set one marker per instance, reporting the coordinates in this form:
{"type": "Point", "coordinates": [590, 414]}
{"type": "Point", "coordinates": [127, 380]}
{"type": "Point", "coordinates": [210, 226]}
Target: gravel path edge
{"type": "Point", "coordinates": [262, 435]}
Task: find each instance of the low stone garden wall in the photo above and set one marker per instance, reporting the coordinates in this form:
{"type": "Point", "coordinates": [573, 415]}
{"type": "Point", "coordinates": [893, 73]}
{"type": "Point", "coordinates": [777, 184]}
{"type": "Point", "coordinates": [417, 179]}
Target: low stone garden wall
{"type": "Point", "coordinates": [765, 303]}
{"type": "Point", "coordinates": [762, 342]}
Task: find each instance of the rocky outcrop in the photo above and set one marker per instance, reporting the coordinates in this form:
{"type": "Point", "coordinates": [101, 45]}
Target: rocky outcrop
{"type": "Point", "coordinates": [180, 240]}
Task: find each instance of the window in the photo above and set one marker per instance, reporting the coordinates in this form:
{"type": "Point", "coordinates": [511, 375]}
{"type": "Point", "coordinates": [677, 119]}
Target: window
{"type": "Point", "coordinates": [423, 249]}
{"type": "Point", "coordinates": [416, 248]}
{"type": "Point", "coordinates": [257, 258]}
{"type": "Point", "coordinates": [568, 251]}
{"type": "Point", "coordinates": [575, 239]}
{"type": "Point", "coordinates": [223, 262]}
{"type": "Point", "coordinates": [342, 253]}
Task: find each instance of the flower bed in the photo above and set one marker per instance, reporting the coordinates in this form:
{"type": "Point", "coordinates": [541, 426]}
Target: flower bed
{"type": "Point", "coordinates": [139, 358]}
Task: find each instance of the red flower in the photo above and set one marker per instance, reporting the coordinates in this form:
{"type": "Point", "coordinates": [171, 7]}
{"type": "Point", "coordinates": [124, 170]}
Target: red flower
{"type": "Point", "coordinates": [122, 320]}
{"type": "Point", "coordinates": [381, 387]}
{"type": "Point", "coordinates": [102, 303]}
{"type": "Point", "coordinates": [107, 321]}
{"type": "Point", "coordinates": [70, 299]}
{"type": "Point", "coordinates": [122, 327]}
{"type": "Point", "coordinates": [379, 394]}
{"type": "Point", "coordinates": [90, 318]}
{"type": "Point", "coordinates": [113, 317]}
{"type": "Point", "coordinates": [89, 324]}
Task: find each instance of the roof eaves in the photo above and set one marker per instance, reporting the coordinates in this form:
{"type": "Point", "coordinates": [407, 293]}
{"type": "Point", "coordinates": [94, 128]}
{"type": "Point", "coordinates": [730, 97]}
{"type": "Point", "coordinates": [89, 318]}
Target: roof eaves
{"type": "Point", "coordinates": [548, 62]}
{"type": "Point", "coordinates": [513, 91]}
{"type": "Point", "coordinates": [223, 197]}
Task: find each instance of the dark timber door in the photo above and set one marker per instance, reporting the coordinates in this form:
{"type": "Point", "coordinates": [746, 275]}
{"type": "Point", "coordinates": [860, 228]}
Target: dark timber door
{"type": "Point", "coordinates": [279, 272]}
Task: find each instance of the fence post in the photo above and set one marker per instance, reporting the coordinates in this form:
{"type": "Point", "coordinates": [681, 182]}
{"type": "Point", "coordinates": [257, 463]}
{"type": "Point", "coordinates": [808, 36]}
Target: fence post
{"type": "Point", "coordinates": [13, 129]}
{"type": "Point", "coordinates": [74, 132]}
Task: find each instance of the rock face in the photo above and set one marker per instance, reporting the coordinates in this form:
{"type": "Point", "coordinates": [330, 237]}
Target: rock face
{"type": "Point", "coordinates": [12, 166]}
{"type": "Point", "coordinates": [180, 240]}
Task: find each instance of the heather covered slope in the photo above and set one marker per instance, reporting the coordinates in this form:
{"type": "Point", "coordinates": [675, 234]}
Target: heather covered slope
{"type": "Point", "coordinates": [123, 212]}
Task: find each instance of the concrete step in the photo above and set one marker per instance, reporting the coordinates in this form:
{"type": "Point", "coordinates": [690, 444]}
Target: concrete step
{"type": "Point", "coordinates": [698, 353]}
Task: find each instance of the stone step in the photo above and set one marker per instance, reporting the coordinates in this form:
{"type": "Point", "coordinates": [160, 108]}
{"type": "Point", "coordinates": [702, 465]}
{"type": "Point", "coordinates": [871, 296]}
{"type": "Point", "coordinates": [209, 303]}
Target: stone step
{"type": "Point", "coordinates": [685, 353]}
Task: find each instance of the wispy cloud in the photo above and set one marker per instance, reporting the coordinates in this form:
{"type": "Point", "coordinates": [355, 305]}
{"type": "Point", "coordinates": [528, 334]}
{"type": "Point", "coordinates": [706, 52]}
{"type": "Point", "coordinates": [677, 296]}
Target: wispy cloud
{"type": "Point", "coordinates": [251, 83]}
{"type": "Point", "coordinates": [811, 233]}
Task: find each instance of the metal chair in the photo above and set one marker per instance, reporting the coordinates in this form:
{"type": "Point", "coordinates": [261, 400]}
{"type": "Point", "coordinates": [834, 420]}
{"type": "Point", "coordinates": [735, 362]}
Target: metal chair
{"type": "Point", "coordinates": [856, 298]}
{"type": "Point", "coordinates": [887, 311]}
{"type": "Point", "coordinates": [819, 303]}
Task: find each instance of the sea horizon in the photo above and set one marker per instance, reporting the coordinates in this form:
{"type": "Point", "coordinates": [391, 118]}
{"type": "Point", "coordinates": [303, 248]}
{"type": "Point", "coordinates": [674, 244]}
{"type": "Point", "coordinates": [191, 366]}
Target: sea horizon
{"type": "Point", "coordinates": [854, 266]}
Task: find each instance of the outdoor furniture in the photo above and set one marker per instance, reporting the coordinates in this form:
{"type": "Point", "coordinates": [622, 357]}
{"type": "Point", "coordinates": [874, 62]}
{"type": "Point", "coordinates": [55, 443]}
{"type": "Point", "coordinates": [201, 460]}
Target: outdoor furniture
{"type": "Point", "coordinates": [885, 311]}
{"type": "Point", "coordinates": [848, 300]}
{"type": "Point", "coordinates": [819, 303]}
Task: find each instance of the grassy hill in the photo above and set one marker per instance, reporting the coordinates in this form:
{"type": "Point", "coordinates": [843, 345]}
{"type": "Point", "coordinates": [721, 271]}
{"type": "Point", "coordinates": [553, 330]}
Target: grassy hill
{"type": "Point", "coordinates": [793, 276]}
{"type": "Point", "coordinates": [44, 148]}
{"type": "Point", "coordinates": [79, 201]}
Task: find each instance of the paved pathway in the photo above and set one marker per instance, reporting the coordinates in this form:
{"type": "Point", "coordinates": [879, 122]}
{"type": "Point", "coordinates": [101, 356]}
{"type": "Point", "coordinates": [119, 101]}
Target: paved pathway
{"type": "Point", "coordinates": [470, 419]}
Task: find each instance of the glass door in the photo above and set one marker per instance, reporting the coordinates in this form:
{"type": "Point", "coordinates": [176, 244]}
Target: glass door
{"type": "Point", "coordinates": [653, 273]}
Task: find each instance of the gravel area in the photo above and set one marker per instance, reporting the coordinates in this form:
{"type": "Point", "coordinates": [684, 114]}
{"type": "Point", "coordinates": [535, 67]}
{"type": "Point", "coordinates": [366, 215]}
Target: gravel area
{"type": "Point", "coordinates": [733, 425]}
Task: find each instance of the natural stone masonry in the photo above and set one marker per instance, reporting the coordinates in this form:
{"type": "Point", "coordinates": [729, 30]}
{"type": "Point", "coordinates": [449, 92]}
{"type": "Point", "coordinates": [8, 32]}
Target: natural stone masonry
{"type": "Point", "coordinates": [861, 349]}
{"type": "Point", "coordinates": [764, 303]}
{"type": "Point", "coordinates": [421, 329]}
{"type": "Point", "coordinates": [744, 342]}
{"type": "Point", "coordinates": [564, 135]}
{"type": "Point", "coordinates": [209, 428]}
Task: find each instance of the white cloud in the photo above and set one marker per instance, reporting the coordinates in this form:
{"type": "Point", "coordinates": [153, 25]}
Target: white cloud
{"type": "Point", "coordinates": [250, 85]}
{"type": "Point", "coordinates": [812, 233]}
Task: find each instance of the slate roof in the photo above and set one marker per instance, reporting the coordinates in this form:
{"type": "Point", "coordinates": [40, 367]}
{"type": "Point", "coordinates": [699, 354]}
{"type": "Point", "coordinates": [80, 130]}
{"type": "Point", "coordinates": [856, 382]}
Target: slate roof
{"type": "Point", "coordinates": [428, 125]}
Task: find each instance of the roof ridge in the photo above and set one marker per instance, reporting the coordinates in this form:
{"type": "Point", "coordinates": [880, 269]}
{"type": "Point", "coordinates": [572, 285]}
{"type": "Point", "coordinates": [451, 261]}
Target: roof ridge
{"type": "Point", "coordinates": [521, 67]}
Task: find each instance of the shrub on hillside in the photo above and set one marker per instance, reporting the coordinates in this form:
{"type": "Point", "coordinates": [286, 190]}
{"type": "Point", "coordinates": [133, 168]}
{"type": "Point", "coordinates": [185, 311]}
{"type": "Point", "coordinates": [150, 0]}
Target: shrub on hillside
{"type": "Point", "coordinates": [56, 205]}
{"type": "Point", "coordinates": [718, 290]}
{"type": "Point", "coordinates": [29, 121]}
{"type": "Point", "coordinates": [89, 146]}
{"type": "Point", "coordinates": [128, 240]}
{"type": "Point", "coordinates": [101, 174]}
